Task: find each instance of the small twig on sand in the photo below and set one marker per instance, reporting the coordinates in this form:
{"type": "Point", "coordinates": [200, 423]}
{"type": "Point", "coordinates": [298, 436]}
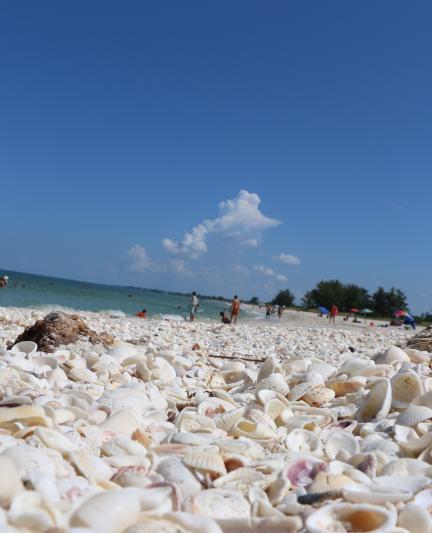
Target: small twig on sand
{"type": "Point", "coordinates": [233, 356]}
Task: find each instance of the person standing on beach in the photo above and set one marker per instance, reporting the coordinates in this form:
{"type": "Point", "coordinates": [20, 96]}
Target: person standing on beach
{"type": "Point", "coordinates": [235, 309]}
{"type": "Point", "coordinates": [4, 281]}
{"type": "Point", "coordinates": [193, 307]}
{"type": "Point", "coordinates": [333, 313]}
{"type": "Point", "coordinates": [268, 311]}
{"type": "Point", "coordinates": [279, 312]}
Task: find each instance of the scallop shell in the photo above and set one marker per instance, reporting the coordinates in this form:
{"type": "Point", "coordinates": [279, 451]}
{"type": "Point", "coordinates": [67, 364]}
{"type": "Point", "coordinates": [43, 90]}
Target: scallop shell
{"type": "Point", "coordinates": [219, 504]}
{"type": "Point", "coordinates": [414, 414]}
{"type": "Point", "coordinates": [394, 354]}
{"type": "Point", "coordinates": [378, 402]}
{"type": "Point", "coordinates": [298, 391]}
{"type": "Point", "coordinates": [348, 517]}
{"type": "Point", "coordinates": [206, 461]}
{"type": "Point", "coordinates": [325, 482]}
{"type": "Point", "coordinates": [405, 387]}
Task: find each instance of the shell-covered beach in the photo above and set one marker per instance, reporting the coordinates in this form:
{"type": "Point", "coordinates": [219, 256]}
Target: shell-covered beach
{"type": "Point", "coordinates": [206, 427]}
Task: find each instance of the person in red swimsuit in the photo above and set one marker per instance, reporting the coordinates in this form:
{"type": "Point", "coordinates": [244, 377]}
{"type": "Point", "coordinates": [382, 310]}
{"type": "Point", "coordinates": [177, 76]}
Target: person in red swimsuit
{"type": "Point", "coordinates": [142, 314]}
{"type": "Point", "coordinates": [333, 313]}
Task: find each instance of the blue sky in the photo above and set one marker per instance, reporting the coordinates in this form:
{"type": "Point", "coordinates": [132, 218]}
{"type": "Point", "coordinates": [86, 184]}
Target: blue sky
{"type": "Point", "coordinates": [126, 123]}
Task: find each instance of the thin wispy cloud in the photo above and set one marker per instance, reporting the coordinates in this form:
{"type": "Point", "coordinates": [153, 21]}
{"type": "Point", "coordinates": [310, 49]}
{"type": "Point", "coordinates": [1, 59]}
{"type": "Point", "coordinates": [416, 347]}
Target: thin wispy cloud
{"type": "Point", "coordinates": [288, 259]}
{"type": "Point", "coordinates": [240, 219]}
{"type": "Point", "coordinates": [270, 273]}
{"type": "Point", "coordinates": [139, 261]}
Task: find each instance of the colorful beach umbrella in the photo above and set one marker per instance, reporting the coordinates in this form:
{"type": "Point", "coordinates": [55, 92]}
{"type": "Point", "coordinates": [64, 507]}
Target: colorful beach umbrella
{"type": "Point", "coordinates": [354, 310]}
{"type": "Point", "coordinates": [366, 311]}
{"type": "Point", "coordinates": [399, 313]}
{"type": "Point", "coordinates": [323, 310]}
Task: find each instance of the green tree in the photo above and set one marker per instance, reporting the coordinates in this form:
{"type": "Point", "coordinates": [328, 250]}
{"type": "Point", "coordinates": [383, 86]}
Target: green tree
{"type": "Point", "coordinates": [355, 297]}
{"type": "Point", "coordinates": [326, 293]}
{"type": "Point", "coordinates": [285, 298]}
{"type": "Point", "coordinates": [385, 303]}
{"type": "Point", "coordinates": [254, 300]}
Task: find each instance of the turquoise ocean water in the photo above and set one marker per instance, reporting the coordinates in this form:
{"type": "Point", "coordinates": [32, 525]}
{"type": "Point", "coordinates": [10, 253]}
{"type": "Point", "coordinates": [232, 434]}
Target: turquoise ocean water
{"type": "Point", "coordinates": [30, 290]}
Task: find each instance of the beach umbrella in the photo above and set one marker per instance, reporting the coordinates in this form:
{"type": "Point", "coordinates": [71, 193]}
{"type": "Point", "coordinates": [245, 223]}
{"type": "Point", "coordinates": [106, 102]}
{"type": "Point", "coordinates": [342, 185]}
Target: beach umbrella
{"type": "Point", "coordinates": [399, 313]}
{"type": "Point", "coordinates": [366, 311]}
{"type": "Point", "coordinates": [354, 310]}
{"type": "Point", "coordinates": [323, 310]}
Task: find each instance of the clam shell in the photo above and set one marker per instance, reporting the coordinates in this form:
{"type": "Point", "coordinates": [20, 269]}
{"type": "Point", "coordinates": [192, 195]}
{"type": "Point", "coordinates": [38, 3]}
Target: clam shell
{"type": "Point", "coordinates": [303, 441]}
{"type": "Point", "coordinates": [319, 396]}
{"type": "Point", "coordinates": [375, 494]}
{"type": "Point", "coordinates": [394, 354]}
{"type": "Point", "coordinates": [414, 414]}
{"type": "Point", "coordinates": [10, 482]}
{"type": "Point", "coordinates": [348, 517]}
{"type": "Point", "coordinates": [345, 387]}
{"type": "Point", "coordinates": [274, 382]}
{"type": "Point", "coordinates": [405, 387]}
{"type": "Point", "coordinates": [378, 402]}
{"type": "Point", "coordinates": [27, 347]}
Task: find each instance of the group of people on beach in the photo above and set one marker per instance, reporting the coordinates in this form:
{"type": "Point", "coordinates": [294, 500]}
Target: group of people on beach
{"type": "Point", "coordinates": [271, 310]}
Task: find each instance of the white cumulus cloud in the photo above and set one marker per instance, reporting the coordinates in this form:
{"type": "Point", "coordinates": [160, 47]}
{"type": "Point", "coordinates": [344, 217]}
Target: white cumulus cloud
{"type": "Point", "coordinates": [270, 273]}
{"type": "Point", "coordinates": [240, 219]}
{"type": "Point", "coordinates": [288, 259]}
{"type": "Point", "coordinates": [139, 260]}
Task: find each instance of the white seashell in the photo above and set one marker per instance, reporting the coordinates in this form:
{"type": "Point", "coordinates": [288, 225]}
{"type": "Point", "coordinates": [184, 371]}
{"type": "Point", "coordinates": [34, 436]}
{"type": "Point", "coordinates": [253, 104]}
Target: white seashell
{"type": "Point", "coordinates": [274, 382]}
{"type": "Point", "coordinates": [325, 482]}
{"type": "Point", "coordinates": [405, 387]}
{"type": "Point", "coordinates": [425, 399]}
{"type": "Point", "coordinates": [424, 499]}
{"type": "Point", "coordinates": [25, 414]}
{"type": "Point", "coordinates": [375, 493]}
{"type": "Point", "coordinates": [30, 512]}
{"type": "Point", "coordinates": [112, 511]}
{"type": "Point", "coordinates": [414, 414]}
{"type": "Point", "coordinates": [392, 355]}
{"type": "Point", "coordinates": [206, 461]}
{"type": "Point", "coordinates": [340, 441]}
{"type": "Point", "coordinates": [378, 402]}
{"type": "Point", "coordinates": [415, 519]}
{"type": "Point", "coordinates": [252, 430]}
{"type": "Point", "coordinates": [27, 347]}
{"type": "Point", "coordinates": [303, 441]}
{"type": "Point", "coordinates": [175, 523]}
{"type": "Point", "coordinates": [345, 387]}
{"type": "Point", "coordinates": [174, 471]}
{"type": "Point", "coordinates": [410, 482]}
{"type": "Point", "coordinates": [121, 423]}
{"type": "Point", "coordinates": [55, 440]}
{"type": "Point", "coordinates": [319, 396]}
{"type": "Point", "coordinates": [269, 367]}
{"type": "Point", "coordinates": [353, 366]}
{"type": "Point", "coordinates": [91, 466]}
{"type": "Point", "coordinates": [298, 391]}
{"type": "Point", "coordinates": [241, 479]}
{"type": "Point", "coordinates": [347, 517]}
{"type": "Point", "coordinates": [274, 407]}
{"type": "Point", "coordinates": [219, 504]}
{"type": "Point", "coordinates": [10, 482]}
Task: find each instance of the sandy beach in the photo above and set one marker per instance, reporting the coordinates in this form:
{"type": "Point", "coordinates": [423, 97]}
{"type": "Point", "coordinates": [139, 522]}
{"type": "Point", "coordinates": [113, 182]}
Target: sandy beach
{"type": "Point", "coordinates": [205, 427]}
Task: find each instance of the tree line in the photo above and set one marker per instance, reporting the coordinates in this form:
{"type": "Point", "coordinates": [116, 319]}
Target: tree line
{"type": "Point", "coordinates": [347, 296]}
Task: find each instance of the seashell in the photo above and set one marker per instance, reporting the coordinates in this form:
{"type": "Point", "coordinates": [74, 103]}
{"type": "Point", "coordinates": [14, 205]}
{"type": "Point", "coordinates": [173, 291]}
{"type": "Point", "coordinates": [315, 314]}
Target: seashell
{"type": "Point", "coordinates": [319, 396]}
{"type": "Point", "coordinates": [175, 523]}
{"type": "Point", "coordinates": [425, 399]}
{"type": "Point", "coordinates": [405, 466]}
{"type": "Point", "coordinates": [274, 382]}
{"type": "Point", "coordinates": [220, 504]}
{"type": "Point", "coordinates": [91, 466]}
{"type": "Point", "coordinates": [55, 440]}
{"type": "Point", "coordinates": [27, 347]}
{"type": "Point", "coordinates": [121, 423]}
{"type": "Point", "coordinates": [274, 407]}
{"type": "Point", "coordinates": [405, 387]}
{"type": "Point", "coordinates": [269, 367]}
{"type": "Point", "coordinates": [378, 402]}
{"type": "Point", "coordinates": [303, 441]}
{"type": "Point", "coordinates": [410, 482]}
{"type": "Point", "coordinates": [417, 356]}
{"type": "Point", "coordinates": [415, 519]}
{"type": "Point", "coordinates": [348, 517]}
{"type": "Point", "coordinates": [10, 482]}
{"type": "Point", "coordinates": [30, 512]}
{"type": "Point", "coordinates": [325, 482]}
{"type": "Point", "coordinates": [24, 414]}
{"type": "Point", "coordinates": [112, 511]}
{"type": "Point", "coordinates": [424, 499]}
{"type": "Point", "coordinates": [375, 493]}
{"type": "Point", "coordinates": [241, 479]}
{"type": "Point", "coordinates": [353, 366]}
{"type": "Point", "coordinates": [392, 355]}
{"type": "Point", "coordinates": [206, 461]}
{"type": "Point", "coordinates": [252, 430]}
{"type": "Point", "coordinates": [298, 391]}
{"type": "Point", "coordinates": [413, 415]}
{"type": "Point", "coordinates": [174, 471]}
{"type": "Point", "coordinates": [340, 441]}
{"type": "Point", "coordinates": [341, 388]}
